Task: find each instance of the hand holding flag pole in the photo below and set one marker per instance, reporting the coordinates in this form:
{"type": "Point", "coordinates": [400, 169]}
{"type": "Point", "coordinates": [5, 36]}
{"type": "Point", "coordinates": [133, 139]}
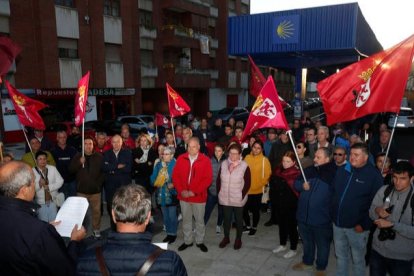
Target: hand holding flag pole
{"type": "Point", "coordinates": [177, 106]}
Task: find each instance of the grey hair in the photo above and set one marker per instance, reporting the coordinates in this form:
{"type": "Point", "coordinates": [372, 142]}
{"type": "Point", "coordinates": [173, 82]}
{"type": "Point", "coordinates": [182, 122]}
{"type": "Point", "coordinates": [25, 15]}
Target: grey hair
{"type": "Point", "coordinates": [326, 151]}
{"type": "Point", "coordinates": [131, 204]}
{"type": "Point", "coordinates": [13, 176]}
{"type": "Point", "coordinates": [169, 150]}
{"type": "Point", "coordinates": [324, 128]}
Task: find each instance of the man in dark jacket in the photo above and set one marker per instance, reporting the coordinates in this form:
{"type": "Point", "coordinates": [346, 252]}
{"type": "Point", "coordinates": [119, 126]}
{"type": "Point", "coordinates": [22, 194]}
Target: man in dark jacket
{"type": "Point", "coordinates": [117, 164]}
{"type": "Point", "coordinates": [126, 250]}
{"type": "Point", "coordinates": [30, 246]}
{"type": "Point", "coordinates": [63, 154]}
{"type": "Point", "coordinates": [313, 213]}
{"type": "Point", "coordinates": [89, 178]}
{"type": "Point", "coordinates": [355, 186]}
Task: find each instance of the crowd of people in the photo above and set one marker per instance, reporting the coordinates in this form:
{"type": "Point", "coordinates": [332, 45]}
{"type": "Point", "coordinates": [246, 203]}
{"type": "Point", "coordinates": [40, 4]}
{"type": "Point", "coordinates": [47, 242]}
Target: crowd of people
{"type": "Point", "coordinates": [350, 193]}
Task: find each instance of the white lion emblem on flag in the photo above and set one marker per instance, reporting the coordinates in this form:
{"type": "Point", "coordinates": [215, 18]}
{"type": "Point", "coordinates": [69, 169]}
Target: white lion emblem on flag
{"type": "Point", "coordinates": [266, 109]}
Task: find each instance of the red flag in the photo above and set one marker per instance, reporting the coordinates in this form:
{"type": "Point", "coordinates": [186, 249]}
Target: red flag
{"type": "Point", "coordinates": [81, 99]}
{"type": "Point", "coordinates": [257, 80]}
{"type": "Point", "coordinates": [178, 107]}
{"type": "Point", "coordinates": [375, 84]}
{"type": "Point", "coordinates": [26, 108]}
{"type": "Point", "coordinates": [8, 52]}
{"type": "Point", "coordinates": [161, 120]}
{"type": "Point", "coordinates": [267, 111]}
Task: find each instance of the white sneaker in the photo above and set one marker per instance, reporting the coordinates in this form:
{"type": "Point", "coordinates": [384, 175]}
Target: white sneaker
{"type": "Point", "coordinates": [218, 230]}
{"type": "Point", "coordinates": [279, 249]}
{"type": "Point", "coordinates": [290, 254]}
{"type": "Point", "coordinates": [180, 217]}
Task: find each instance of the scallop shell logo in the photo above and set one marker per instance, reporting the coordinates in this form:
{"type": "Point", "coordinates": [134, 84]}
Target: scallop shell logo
{"type": "Point", "coordinates": [285, 29]}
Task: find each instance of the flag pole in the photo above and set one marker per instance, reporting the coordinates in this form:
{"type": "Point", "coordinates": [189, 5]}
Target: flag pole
{"type": "Point", "coordinates": [30, 147]}
{"type": "Point", "coordinates": [389, 143]}
{"type": "Point", "coordinates": [1, 152]}
{"type": "Point", "coordinates": [289, 132]}
{"type": "Point", "coordinates": [172, 127]}
{"type": "Point", "coordinates": [83, 140]}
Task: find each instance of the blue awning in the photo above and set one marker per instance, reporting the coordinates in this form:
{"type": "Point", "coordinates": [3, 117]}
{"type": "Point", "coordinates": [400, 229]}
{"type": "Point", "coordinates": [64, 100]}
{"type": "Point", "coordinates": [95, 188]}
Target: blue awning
{"type": "Point", "coordinates": [321, 38]}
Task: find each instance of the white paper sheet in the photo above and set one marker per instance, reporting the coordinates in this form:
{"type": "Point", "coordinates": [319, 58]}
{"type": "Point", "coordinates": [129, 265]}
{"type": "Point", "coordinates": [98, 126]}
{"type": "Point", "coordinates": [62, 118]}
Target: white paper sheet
{"type": "Point", "coordinates": [162, 245]}
{"type": "Point", "coordinates": [72, 212]}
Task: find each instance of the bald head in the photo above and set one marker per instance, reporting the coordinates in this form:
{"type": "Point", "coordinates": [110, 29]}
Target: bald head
{"type": "Point", "coordinates": [14, 176]}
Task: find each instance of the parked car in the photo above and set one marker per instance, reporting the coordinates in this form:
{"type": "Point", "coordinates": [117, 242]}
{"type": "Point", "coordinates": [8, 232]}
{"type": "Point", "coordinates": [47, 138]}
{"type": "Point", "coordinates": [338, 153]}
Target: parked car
{"type": "Point", "coordinates": [138, 122]}
{"type": "Point", "coordinates": [405, 118]}
{"type": "Point", "coordinates": [238, 113]}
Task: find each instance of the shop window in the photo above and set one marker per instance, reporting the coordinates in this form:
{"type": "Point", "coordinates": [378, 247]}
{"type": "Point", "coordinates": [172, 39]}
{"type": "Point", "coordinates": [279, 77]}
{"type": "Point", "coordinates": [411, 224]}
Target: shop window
{"type": "Point", "coordinates": [68, 48]}
{"type": "Point", "coordinates": [112, 7]}
{"type": "Point", "coordinates": [66, 3]}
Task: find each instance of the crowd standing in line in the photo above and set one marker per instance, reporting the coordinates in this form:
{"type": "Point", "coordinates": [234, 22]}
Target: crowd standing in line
{"type": "Point", "coordinates": [353, 195]}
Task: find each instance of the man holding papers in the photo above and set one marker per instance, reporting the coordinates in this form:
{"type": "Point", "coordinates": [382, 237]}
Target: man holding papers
{"type": "Point", "coordinates": [30, 246]}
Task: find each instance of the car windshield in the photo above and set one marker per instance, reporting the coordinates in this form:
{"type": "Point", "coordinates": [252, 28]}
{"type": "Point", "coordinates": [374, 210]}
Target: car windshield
{"type": "Point", "coordinates": [406, 113]}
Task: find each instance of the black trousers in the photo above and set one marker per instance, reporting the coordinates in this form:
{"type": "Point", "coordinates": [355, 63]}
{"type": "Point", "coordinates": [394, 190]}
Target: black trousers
{"type": "Point", "coordinates": [288, 227]}
{"type": "Point", "coordinates": [228, 212]}
{"type": "Point", "coordinates": [253, 205]}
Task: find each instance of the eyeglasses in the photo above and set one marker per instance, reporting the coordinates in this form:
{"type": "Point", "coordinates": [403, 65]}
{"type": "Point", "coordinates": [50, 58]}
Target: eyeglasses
{"type": "Point", "coordinates": [338, 154]}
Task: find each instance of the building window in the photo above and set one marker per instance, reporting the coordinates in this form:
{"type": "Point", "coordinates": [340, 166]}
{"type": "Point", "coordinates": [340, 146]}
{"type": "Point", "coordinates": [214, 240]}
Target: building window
{"type": "Point", "coordinates": [232, 5]}
{"type": "Point", "coordinates": [111, 7]}
{"type": "Point", "coordinates": [113, 53]}
{"type": "Point", "coordinates": [146, 58]}
{"type": "Point", "coordinates": [68, 48]}
{"type": "Point", "coordinates": [145, 18]}
{"type": "Point", "coordinates": [244, 9]}
{"type": "Point", "coordinates": [66, 3]}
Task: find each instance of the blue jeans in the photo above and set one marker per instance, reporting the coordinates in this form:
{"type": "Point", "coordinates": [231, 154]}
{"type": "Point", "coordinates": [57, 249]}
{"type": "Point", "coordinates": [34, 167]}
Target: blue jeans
{"type": "Point", "coordinates": [169, 215]}
{"type": "Point", "coordinates": [380, 265]}
{"type": "Point", "coordinates": [47, 212]}
{"type": "Point", "coordinates": [350, 244]}
{"type": "Point", "coordinates": [210, 204]}
{"type": "Point", "coordinates": [315, 238]}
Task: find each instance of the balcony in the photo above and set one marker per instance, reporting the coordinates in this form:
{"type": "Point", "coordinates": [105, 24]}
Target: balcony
{"type": "Point", "coordinates": [191, 6]}
{"type": "Point", "coordinates": [149, 72]}
{"type": "Point", "coordinates": [70, 72]}
{"type": "Point", "coordinates": [147, 32]}
{"type": "Point", "coordinates": [145, 5]}
{"type": "Point", "coordinates": [179, 36]}
{"type": "Point", "coordinates": [67, 22]}
{"type": "Point", "coordinates": [187, 78]}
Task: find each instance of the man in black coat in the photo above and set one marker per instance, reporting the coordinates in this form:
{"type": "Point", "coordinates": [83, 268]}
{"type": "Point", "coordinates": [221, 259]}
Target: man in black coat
{"type": "Point", "coordinates": [117, 164]}
{"type": "Point", "coordinates": [30, 246]}
{"type": "Point", "coordinates": [127, 249]}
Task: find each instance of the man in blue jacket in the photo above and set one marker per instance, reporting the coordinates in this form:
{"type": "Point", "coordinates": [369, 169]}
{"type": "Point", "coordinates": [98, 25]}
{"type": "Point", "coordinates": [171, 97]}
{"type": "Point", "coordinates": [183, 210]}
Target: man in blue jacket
{"type": "Point", "coordinates": [355, 186]}
{"type": "Point", "coordinates": [127, 249]}
{"type": "Point", "coordinates": [30, 246]}
{"type": "Point", "coordinates": [313, 213]}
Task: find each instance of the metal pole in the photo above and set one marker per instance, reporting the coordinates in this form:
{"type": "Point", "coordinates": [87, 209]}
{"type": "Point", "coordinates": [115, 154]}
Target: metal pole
{"type": "Point", "coordinates": [31, 151]}
{"type": "Point", "coordinates": [172, 127]}
{"type": "Point", "coordinates": [83, 139]}
{"type": "Point", "coordinates": [389, 143]}
{"type": "Point", "coordinates": [289, 133]}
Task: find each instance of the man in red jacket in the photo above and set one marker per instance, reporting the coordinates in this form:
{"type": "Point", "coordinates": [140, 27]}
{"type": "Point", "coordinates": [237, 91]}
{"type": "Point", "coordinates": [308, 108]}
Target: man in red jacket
{"type": "Point", "coordinates": [191, 177]}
